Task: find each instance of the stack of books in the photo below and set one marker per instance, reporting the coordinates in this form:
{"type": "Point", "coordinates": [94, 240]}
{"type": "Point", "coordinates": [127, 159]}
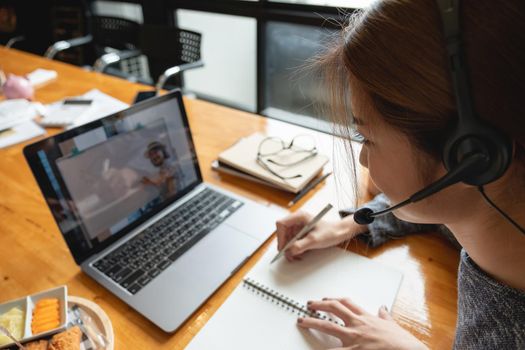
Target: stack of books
{"type": "Point", "coordinates": [241, 160]}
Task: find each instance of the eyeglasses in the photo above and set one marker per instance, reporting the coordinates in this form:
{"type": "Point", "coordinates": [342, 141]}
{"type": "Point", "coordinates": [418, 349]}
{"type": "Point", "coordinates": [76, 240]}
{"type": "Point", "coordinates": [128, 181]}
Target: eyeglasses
{"type": "Point", "coordinates": [274, 150]}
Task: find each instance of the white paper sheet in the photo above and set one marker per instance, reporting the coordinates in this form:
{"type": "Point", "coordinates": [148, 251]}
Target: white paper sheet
{"type": "Point", "coordinates": [58, 114]}
{"type": "Point", "coordinates": [20, 133]}
{"type": "Point", "coordinates": [16, 111]}
{"type": "Point", "coordinates": [40, 76]}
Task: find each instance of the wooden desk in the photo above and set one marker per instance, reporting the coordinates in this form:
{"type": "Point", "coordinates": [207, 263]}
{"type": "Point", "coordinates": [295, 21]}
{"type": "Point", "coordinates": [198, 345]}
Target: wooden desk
{"type": "Point", "coordinates": [33, 255]}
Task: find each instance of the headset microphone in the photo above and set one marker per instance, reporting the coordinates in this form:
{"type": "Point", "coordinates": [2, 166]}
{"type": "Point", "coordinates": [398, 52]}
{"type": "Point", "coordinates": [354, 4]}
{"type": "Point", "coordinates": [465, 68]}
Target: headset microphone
{"type": "Point", "coordinates": [471, 164]}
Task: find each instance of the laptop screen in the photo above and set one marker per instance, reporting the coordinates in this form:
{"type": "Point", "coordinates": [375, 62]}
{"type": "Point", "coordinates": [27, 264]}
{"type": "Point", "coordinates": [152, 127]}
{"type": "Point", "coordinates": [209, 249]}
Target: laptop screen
{"type": "Point", "coordinates": [103, 179]}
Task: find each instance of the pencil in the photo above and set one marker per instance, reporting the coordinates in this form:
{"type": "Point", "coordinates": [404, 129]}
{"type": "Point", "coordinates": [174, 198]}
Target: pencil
{"type": "Point", "coordinates": [307, 189]}
{"type": "Point", "coordinates": [307, 228]}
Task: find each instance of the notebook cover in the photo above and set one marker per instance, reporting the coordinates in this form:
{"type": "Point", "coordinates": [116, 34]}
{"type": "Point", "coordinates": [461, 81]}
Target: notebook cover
{"type": "Point", "coordinates": [243, 156]}
{"type": "Point", "coordinates": [226, 169]}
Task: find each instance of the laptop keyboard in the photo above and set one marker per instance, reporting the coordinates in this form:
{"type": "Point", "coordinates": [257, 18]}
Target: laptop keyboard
{"type": "Point", "coordinates": [137, 262]}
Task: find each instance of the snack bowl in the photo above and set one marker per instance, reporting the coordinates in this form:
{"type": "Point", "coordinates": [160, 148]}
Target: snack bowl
{"type": "Point", "coordinates": [19, 304]}
{"type": "Point", "coordinates": [28, 305]}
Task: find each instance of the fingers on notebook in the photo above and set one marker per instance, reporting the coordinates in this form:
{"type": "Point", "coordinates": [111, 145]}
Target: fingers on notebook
{"type": "Point", "coordinates": [335, 307]}
{"type": "Point", "coordinates": [356, 309]}
{"type": "Point", "coordinates": [322, 326]}
{"type": "Point", "coordinates": [384, 314]}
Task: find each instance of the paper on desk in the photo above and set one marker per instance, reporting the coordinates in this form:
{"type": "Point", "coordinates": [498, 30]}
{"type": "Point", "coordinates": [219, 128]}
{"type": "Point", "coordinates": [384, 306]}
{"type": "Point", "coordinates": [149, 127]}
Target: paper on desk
{"type": "Point", "coordinates": [16, 111]}
{"type": "Point", "coordinates": [103, 105]}
{"type": "Point", "coordinates": [60, 115]}
{"type": "Point", "coordinates": [20, 133]}
{"type": "Point", "coordinates": [40, 76]}
{"type": "Point", "coordinates": [74, 115]}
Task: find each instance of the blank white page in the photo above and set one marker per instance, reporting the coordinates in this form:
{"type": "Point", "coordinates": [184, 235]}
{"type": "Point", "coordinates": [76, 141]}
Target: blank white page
{"type": "Point", "coordinates": [247, 320]}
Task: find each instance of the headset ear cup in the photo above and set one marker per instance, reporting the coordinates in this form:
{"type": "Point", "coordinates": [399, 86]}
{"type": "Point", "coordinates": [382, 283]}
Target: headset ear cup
{"type": "Point", "coordinates": [479, 138]}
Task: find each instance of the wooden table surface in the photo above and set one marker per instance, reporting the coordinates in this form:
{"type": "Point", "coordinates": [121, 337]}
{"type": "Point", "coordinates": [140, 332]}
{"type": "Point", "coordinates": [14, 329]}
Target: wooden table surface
{"type": "Point", "coordinates": [34, 257]}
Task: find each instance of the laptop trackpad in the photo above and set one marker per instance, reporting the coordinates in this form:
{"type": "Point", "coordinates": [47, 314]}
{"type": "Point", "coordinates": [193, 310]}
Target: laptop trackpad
{"type": "Point", "coordinates": [191, 279]}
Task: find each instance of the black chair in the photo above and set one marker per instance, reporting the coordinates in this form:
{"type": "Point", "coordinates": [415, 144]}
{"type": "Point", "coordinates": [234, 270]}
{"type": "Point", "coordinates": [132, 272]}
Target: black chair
{"type": "Point", "coordinates": [113, 39]}
{"type": "Point", "coordinates": [169, 50]}
{"type": "Point", "coordinates": [14, 25]}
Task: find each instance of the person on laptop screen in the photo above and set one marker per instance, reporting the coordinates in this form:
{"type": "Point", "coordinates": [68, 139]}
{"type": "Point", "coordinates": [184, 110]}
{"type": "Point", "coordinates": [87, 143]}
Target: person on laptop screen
{"type": "Point", "coordinates": [116, 174]}
{"type": "Point", "coordinates": [169, 173]}
{"type": "Point", "coordinates": [429, 118]}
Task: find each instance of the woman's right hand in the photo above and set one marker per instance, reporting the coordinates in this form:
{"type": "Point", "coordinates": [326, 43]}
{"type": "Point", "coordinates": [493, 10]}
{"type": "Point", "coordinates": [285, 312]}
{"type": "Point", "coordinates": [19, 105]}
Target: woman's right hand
{"type": "Point", "coordinates": [325, 234]}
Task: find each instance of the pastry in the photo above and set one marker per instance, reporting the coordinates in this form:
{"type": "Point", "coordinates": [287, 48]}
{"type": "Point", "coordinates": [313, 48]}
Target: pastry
{"type": "Point", "coordinates": [36, 345]}
{"type": "Point", "coordinates": [68, 340]}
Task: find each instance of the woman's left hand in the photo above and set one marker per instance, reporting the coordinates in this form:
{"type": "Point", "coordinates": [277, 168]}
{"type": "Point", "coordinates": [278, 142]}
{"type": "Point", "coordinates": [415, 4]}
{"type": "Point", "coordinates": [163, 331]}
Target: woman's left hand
{"type": "Point", "coordinates": [361, 330]}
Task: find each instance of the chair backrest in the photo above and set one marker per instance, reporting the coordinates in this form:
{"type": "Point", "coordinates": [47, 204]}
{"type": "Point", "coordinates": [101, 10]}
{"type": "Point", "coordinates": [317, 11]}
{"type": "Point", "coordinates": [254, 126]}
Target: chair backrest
{"type": "Point", "coordinates": [20, 18]}
{"type": "Point", "coordinates": [167, 46]}
{"type": "Point", "coordinates": [114, 32]}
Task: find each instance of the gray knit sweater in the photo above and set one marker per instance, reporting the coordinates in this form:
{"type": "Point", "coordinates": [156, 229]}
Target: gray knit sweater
{"type": "Point", "coordinates": [491, 315]}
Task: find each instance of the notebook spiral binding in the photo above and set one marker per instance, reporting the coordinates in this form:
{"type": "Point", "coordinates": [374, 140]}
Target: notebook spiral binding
{"type": "Point", "coordinates": [283, 301]}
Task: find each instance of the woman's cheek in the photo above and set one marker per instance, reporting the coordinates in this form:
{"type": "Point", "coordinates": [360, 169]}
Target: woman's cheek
{"type": "Point", "coordinates": [388, 178]}
{"type": "Point", "coordinates": [378, 175]}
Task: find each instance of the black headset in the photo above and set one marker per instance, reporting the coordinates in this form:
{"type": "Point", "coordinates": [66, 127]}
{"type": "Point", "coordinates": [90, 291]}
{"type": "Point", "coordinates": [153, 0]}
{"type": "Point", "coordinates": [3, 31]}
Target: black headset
{"type": "Point", "coordinates": [476, 153]}
{"type": "Point", "coordinates": [472, 138]}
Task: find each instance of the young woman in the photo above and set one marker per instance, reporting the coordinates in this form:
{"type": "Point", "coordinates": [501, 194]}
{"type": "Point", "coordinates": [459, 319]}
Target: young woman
{"type": "Point", "coordinates": [392, 62]}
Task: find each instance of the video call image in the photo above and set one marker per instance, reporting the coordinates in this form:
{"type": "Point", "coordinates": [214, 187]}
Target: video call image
{"type": "Point", "coordinates": [118, 172]}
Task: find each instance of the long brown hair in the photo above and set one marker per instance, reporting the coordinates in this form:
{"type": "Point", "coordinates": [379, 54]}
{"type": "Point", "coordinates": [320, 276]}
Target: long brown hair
{"type": "Point", "coordinates": [396, 51]}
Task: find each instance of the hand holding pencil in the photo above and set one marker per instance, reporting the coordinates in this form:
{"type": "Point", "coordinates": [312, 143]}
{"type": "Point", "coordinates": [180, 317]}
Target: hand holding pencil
{"type": "Point", "coordinates": [303, 232]}
{"type": "Point", "coordinates": [324, 234]}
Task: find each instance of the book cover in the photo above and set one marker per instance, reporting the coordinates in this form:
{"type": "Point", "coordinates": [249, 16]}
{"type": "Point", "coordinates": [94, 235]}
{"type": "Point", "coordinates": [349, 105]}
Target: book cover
{"type": "Point", "coordinates": [243, 156]}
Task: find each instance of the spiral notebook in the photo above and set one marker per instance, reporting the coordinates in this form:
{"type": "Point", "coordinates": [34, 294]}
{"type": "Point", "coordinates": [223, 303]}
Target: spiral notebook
{"type": "Point", "coordinates": [261, 312]}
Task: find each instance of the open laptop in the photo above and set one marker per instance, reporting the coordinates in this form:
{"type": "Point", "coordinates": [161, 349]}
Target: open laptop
{"type": "Point", "coordinates": [127, 195]}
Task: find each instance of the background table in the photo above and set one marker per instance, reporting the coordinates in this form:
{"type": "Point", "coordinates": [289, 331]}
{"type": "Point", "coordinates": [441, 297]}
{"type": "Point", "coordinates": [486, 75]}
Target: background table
{"type": "Point", "coordinates": [33, 255]}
